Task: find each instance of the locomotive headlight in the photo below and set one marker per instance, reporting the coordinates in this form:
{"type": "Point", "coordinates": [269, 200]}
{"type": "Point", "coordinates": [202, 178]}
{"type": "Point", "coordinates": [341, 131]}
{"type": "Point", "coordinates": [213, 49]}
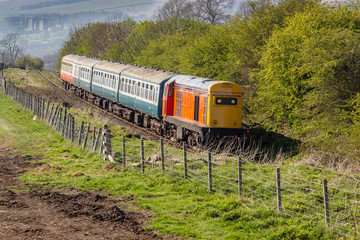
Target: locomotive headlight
{"type": "Point", "coordinates": [233, 101]}
{"type": "Point", "coordinates": [214, 122]}
{"type": "Point", "coordinates": [219, 100]}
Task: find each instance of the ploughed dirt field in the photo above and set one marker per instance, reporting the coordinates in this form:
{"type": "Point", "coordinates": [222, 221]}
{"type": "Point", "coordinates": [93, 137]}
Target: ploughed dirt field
{"type": "Point", "coordinates": [27, 212]}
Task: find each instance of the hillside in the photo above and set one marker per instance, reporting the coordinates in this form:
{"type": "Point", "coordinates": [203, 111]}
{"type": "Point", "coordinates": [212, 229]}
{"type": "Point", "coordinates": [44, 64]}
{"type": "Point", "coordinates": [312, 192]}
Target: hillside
{"type": "Point", "coordinates": [54, 167]}
{"type": "Point", "coordinates": [298, 63]}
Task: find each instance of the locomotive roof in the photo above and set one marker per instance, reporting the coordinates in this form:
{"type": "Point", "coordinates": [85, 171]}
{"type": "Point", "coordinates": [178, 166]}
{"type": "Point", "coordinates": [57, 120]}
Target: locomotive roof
{"type": "Point", "coordinates": [148, 74]}
{"type": "Point", "coordinates": [194, 82]}
{"type": "Point", "coordinates": [111, 66]}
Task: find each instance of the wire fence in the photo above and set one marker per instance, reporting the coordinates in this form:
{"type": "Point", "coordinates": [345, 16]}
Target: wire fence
{"type": "Point", "coordinates": [285, 191]}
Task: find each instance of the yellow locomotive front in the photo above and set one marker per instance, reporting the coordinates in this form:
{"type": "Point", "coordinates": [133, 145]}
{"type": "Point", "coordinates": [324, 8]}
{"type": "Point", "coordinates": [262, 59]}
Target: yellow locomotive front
{"type": "Point", "coordinates": [224, 105]}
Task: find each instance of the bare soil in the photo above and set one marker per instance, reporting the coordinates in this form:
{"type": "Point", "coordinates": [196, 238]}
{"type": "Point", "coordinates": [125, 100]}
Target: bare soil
{"type": "Point", "coordinates": [29, 212]}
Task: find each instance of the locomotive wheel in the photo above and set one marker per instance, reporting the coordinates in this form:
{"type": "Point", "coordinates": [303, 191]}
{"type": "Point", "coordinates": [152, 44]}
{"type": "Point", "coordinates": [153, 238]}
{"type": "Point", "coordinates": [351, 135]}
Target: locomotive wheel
{"type": "Point", "coordinates": [194, 141]}
{"type": "Point", "coordinates": [191, 141]}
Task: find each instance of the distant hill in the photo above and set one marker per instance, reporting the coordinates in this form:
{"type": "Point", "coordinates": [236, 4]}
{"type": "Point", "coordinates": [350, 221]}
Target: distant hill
{"type": "Point", "coordinates": [35, 7]}
{"type": "Point", "coordinates": [44, 25]}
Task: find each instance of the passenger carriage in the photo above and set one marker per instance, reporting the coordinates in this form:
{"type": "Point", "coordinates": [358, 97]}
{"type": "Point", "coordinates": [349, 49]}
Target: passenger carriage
{"type": "Point", "coordinates": [83, 69]}
{"type": "Point", "coordinates": [142, 88]}
{"type": "Point", "coordinates": [106, 79]}
{"type": "Point", "coordinates": [67, 69]}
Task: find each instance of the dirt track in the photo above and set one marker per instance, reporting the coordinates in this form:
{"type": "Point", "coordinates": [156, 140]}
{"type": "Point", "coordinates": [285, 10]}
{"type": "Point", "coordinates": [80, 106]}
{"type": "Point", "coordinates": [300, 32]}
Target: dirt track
{"type": "Point", "coordinates": [30, 213]}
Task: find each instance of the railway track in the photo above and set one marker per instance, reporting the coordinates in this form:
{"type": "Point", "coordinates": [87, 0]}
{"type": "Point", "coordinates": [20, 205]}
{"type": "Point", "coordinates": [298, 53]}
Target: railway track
{"type": "Point", "coordinates": [152, 134]}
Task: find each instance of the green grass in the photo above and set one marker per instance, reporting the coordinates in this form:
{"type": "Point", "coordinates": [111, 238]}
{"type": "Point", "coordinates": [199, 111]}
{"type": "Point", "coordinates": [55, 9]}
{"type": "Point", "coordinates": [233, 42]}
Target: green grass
{"type": "Point", "coordinates": [186, 207]}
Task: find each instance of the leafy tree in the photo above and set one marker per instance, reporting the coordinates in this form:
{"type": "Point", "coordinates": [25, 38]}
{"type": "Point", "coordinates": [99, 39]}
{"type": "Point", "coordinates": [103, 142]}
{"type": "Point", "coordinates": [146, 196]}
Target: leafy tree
{"type": "Point", "coordinates": [169, 51]}
{"type": "Point", "coordinates": [311, 66]}
{"type": "Point", "coordinates": [207, 55]}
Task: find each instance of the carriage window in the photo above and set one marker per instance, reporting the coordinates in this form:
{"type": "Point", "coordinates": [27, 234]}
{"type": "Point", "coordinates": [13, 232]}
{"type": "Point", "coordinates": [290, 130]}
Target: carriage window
{"type": "Point", "coordinates": [178, 108]}
{"type": "Point", "coordinates": [133, 88]}
{"type": "Point", "coordinates": [156, 93]}
{"type": "Point", "coordinates": [128, 86]}
{"type": "Point", "coordinates": [147, 91]}
{"type": "Point", "coordinates": [151, 93]}
{"type": "Point", "coordinates": [142, 90]}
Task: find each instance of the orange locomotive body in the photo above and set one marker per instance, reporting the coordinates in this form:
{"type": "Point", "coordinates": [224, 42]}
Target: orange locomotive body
{"type": "Point", "coordinates": [201, 107]}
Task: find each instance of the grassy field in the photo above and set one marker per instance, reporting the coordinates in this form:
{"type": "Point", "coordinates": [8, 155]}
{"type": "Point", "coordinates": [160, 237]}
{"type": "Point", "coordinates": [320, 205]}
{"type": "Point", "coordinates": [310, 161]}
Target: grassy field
{"type": "Point", "coordinates": [186, 207]}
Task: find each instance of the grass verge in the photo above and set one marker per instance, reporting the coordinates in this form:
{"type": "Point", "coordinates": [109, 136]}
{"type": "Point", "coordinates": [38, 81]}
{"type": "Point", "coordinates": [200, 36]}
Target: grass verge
{"type": "Point", "coordinates": [182, 207]}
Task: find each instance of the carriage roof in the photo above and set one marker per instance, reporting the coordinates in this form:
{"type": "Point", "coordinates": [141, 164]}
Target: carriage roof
{"type": "Point", "coordinates": [148, 74]}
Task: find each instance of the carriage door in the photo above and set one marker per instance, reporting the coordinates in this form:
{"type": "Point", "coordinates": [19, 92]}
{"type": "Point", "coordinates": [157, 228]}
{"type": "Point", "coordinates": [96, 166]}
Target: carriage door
{"type": "Point", "coordinates": [196, 108]}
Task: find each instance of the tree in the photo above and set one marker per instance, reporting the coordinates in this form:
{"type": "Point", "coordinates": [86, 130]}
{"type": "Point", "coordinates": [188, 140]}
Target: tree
{"type": "Point", "coordinates": [311, 66]}
{"type": "Point", "coordinates": [12, 49]}
{"type": "Point", "coordinates": [249, 7]}
{"type": "Point", "coordinates": [213, 11]}
{"type": "Point", "coordinates": [174, 8]}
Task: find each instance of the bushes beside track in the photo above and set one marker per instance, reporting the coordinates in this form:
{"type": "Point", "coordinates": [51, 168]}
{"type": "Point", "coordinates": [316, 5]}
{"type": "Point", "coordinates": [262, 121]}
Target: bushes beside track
{"type": "Point", "coordinates": [298, 62]}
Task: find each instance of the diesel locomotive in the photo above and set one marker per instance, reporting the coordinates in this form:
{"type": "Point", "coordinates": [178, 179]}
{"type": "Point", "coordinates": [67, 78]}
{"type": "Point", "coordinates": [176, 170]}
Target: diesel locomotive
{"type": "Point", "coordinates": [179, 107]}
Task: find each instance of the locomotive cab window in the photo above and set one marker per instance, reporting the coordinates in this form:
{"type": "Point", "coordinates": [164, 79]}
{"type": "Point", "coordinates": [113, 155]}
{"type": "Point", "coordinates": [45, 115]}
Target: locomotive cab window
{"type": "Point", "coordinates": [225, 101]}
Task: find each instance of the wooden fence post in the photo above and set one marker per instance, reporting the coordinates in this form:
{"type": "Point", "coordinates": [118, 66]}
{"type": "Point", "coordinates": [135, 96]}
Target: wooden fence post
{"type": "Point", "coordinates": [142, 157]}
{"type": "Point", "coordinates": [326, 202]}
{"type": "Point", "coordinates": [58, 128]}
{"type": "Point", "coordinates": [80, 132]}
{"type": "Point", "coordinates": [240, 178]}
{"type": "Point", "coordinates": [72, 128]}
{"type": "Point", "coordinates": [101, 150]}
{"type": "Point", "coordinates": [278, 189]}
{"type": "Point", "coordinates": [53, 116]}
{"type": "Point", "coordinates": [43, 110]}
{"type": "Point", "coordinates": [185, 161]}
{"type": "Point", "coordinates": [3, 83]}
{"type": "Point", "coordinates": [97, 140]}
{"type": "Point", "coordinates": [162, 155]}
{"type": "Point", "coordinates": [124, 152]}
{"type": "Point", "coordinates": [105, 144]}
{"type": "Point", "coordinates": [86, 136]}
{"type": "Point", "coordinates": [67, 127]}
{"type": "Point", "coordinates": [93, 138]}
{"type": "Point", "coordinates": [50, 114]}
{"type": "Point", "coordinates": [64, 124]}
{"type": "Point", "coordinates": [210, 171]}
{"type": "Point", "coordinates": [47, 111]}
